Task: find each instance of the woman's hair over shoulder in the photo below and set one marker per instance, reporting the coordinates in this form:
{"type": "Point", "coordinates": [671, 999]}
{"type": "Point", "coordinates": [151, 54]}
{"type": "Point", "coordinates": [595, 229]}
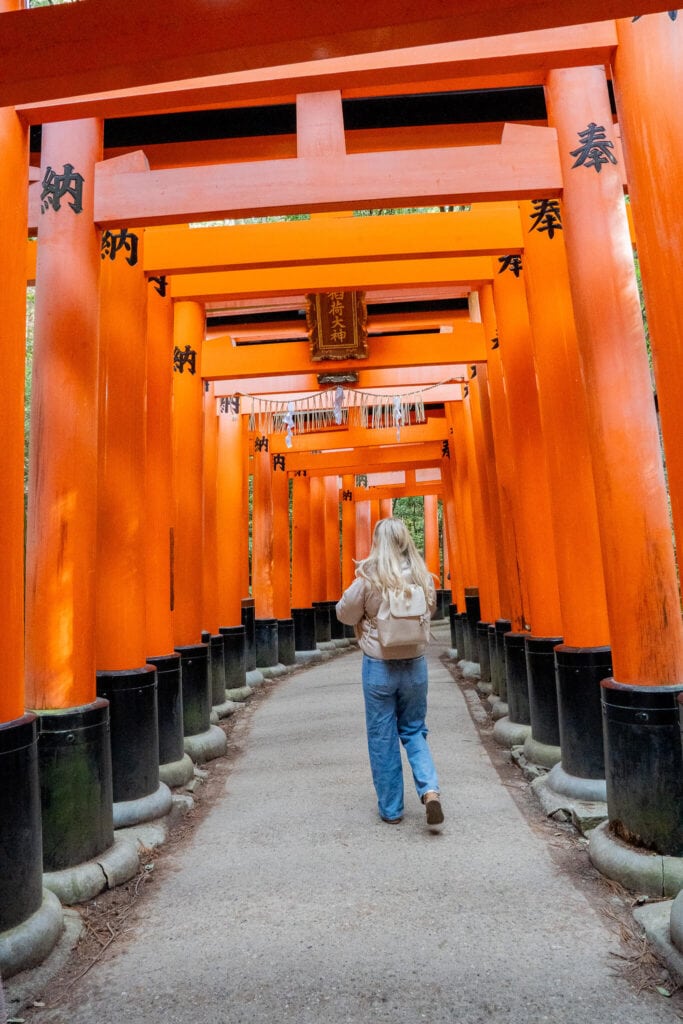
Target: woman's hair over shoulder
{"type": "Point", "coordinates": [394, 560]}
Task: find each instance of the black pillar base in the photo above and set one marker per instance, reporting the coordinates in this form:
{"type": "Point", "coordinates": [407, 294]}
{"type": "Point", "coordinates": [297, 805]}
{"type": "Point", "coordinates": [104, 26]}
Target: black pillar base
{"type": "Point", "coordinates": [321, 610]}
{"type": "Point", "coordinates": [491, 644]}
{"type": "Point", "coordinates": [643, 757]}
{"type": "Point", "coordinates": [579, 672]}
{"type": "Point", "coordinates": [438, 608]}
{"type": "Point", "coordinates": [336, 627]}
{"type": "Point", "coordinates": [285, 641]}
{"type": "Point", "coordinates": [516, 678]}
{"type": "Point", "coordinates": [74, 757]}
{"type": "Point", "coordinates": [452, 612]}
{"type": "Point", "coordinates": [216, 666]}
{"type": "Point", "coordinates": [194, 663]}
{"type": "Point", "coordinates": [133, 717]}
{"type": "Point", "coordinates": [235, 656]}
{"type": "Point", "coordinates": [248, 619]}
{"type": "Point", "coordinates": [499, 677]}
{"type": "Point", "coordinates": [483, 647]}
{"type": "Point", "coordinates": [459, 620]}
{"type": "Point", "coordinates": [21, 854]}
{"type": "Point", "coordinates": [540, 665]}
{"type": "Point", "coordinates": [304, 629]}
{"type": "Point", "coordinates": [169, 707]}
{"type": "Point", "coordinates": [473, 613]}
{"type": "Point", "coordinates": [266, 642]}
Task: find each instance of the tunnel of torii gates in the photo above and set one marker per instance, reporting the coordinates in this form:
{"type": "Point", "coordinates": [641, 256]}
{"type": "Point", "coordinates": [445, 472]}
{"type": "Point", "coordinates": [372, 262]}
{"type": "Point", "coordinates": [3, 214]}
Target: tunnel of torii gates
{"type": "Point", "coordinates": [506, 375]}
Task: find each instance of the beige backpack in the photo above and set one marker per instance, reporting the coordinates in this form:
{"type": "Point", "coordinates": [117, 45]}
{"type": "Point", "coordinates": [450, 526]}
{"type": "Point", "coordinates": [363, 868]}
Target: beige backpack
{"type": "Point", "coordinates": [403, 619]}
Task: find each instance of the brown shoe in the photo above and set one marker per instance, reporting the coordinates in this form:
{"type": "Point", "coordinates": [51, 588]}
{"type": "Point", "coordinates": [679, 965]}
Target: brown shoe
{"type": "Point", "coordinates": [433, 808]}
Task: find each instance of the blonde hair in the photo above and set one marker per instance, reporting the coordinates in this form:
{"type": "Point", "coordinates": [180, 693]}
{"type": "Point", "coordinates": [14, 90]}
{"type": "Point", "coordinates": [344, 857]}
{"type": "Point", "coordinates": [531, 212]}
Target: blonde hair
{"type": "Point", "coordinates": [394, 561]}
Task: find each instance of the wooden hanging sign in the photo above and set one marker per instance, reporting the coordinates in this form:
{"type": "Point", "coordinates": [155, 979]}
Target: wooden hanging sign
{"type": "Point", "coordinates": [337, 325]}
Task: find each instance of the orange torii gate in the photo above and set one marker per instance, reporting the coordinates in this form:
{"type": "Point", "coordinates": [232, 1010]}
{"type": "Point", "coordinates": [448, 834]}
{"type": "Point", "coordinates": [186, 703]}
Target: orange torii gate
{"type": "Point", "coordinates": [634, 537]}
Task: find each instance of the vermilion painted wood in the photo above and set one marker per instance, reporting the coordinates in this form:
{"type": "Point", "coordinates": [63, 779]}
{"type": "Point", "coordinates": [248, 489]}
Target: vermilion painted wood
{"type": "Point", "coordinates": [232, 514]}
{"type": "Point", "coordinates": [68, 50]}
{"type": "Point", "coordinates": [316, 550]}
{"type": "Point", "coordinates": [420, 177]}
{"type": "Point", "coordinates": [121, 637]}
{"type": "Point", "coordinates": [348, 514]}
{"type": "Point", "coordinates": [332, 539]}
{"type": "Point", "coordinates": [211, 567]}
{"type": "Point", "coordinates": [159, 501]}
{"type": "Point", "coordinates": [434, 429]}
{"type": "Point", "coordinates": [187, 471]}
{"type": "Point", "coordinates": [486, 547]}
{"type": "Point", "coordinates": [14, 147]}
{"type": "Point", "coordinates": [432, 550]}
{"type": "Point", "coordinates": [564, 422]}
{"type": "Point", "coordinates": [62, 499]}
{"type": "Point", "coordinates": [531, 472]}
{"type": "Point", "coordinates": [221, 359]}
{"type": "Point", "coordinates": [281, 547]}
{"type": "Point", "coordinates": [523, 57]}
{"type": "Point", "coordinates": [262, 536]}
{"type": "Point", "coordinates": [367, 460]}
{"type": "Point", "coordinates": [511, 578]}
{"type": "Point", "coordinates": [301, 533]}
{"type": "Point", "coordinates": [640, 576]}
{"type": "Point", "coordinates": [648, 73]}
{"type": "Point", "coordinates": [484, 230]}
{"type": "Point", "coordinates": [363, 529]}
{"type": "Point", "coordinates": [458, 468]}
{"type": "Point", "coordinates": [397, 273]}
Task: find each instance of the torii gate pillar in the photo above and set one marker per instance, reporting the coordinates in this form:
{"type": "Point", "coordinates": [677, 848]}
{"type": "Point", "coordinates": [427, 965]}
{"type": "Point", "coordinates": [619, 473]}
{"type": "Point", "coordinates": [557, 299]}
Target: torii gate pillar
{"type": "Point", "coordinates": [648, 81]}
{"type": "Point", "coordinates": [21, 888]}
{"type": "Point", "coordinates": [175, 767]}
{"type": "Point", "coordinates": [643, 776]}
{"type": "Point", "coordinates": [62, 507]}
{"type": "Point", "coordinates": [123, 676]}
{"type": "Point", "coordinates": [571, 701]}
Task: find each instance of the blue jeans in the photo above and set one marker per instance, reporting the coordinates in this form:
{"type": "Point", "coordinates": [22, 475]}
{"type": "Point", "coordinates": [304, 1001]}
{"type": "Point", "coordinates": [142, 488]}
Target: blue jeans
{"type": "Point", "coordinates": [395, 695]}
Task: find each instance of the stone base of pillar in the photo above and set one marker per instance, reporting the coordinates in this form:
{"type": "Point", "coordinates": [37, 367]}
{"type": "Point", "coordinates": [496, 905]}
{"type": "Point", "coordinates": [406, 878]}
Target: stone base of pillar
{"type": "Point", "coordinates": [342, 643]}
{"type": "Point", "coordinates": [663, 926]}
{"type": "Point", "coordinates": [83, 882]}
{"type": "Point", "coordinates": [326, 645]}
{"type": "Point", "coordinates": [542, 754]}
{"type": "Point", "coordinates": [308, 657]}
{"type": "Point", "coordinates": [145, 808]}
{"type": "Point", "coordinates": [273, 671]}
{"type": "Point", "coordinates": [239, 695]}
{"type": "Point", "coordinates": [255, 677]}
{"type": "Point", "coordinates": [224, 710]}
{"type": "Point", "coordinates": [590, 790]}
{"type": "Point", "coordinates": [499, 709]}
{"type": "Point", "coordinates": [581, 800]}
{"type": "Point", "coordinates": [469, 669]}
{"type": "Point", "coordinates": [677, 927]}
{"type": "Point", "coordinates": [484, 689]}
{"type": "Point", "coordinates": [205, 746]}
{"type": "Point", "coordinates": [510, 734]}
{"type": "Point", "coordinates": [638, 870]}
{"type": "Point", "coordinates": [177, 773]}
{"type": "Point", "coordinates": [29, 943]}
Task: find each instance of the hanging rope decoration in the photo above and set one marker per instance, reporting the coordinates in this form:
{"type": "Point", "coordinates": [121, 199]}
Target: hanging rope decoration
{"type": "Point", "coordinates": [316, 412]}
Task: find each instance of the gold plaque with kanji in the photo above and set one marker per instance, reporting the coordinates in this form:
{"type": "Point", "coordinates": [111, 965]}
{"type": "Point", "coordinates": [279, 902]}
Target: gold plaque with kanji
{"type": "Point", "coordinates": [337, 325]}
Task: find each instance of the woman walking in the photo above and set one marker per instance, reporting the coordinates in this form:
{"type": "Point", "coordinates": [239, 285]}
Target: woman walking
{"type": "Point", "coordinates": [394, 677]}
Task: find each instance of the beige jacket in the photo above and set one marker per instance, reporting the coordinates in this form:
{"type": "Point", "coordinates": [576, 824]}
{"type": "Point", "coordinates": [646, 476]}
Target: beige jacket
{"type": "Point", "coordinates": [360, 603]}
